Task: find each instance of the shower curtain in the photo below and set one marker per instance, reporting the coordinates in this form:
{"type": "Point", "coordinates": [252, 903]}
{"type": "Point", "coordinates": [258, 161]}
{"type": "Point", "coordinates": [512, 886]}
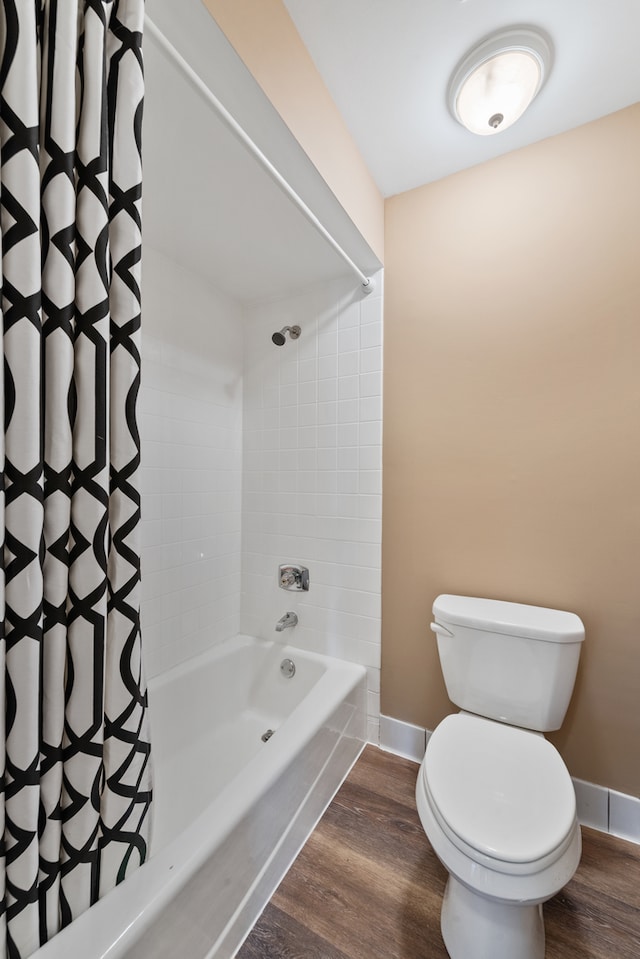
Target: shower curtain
{"type": "Point", "coordinates": [76, 789]}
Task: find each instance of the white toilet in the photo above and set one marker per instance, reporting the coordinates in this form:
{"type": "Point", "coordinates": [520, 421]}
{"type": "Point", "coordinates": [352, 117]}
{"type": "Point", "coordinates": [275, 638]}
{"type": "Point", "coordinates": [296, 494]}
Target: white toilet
{"type": "Point", "coordinates": [495, 799]}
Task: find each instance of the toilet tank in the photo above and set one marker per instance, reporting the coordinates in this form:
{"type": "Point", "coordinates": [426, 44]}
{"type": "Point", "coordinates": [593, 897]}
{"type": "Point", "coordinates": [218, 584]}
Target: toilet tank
{"type": "Point", "coordinates": [507, 661]}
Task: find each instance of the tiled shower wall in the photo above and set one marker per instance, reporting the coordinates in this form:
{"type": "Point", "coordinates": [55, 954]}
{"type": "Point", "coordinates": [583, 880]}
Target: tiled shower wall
{"type": "Point", "coordinates": [254, 455]}
{"type": "Point", "coordinates": [312, 473]}
{"type": "Point", "coordinates": [191, 433]}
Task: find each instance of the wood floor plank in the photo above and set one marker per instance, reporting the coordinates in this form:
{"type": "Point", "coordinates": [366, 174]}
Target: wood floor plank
{"type": "Point", "coordinates": [346, 899]}
{"type": "Point", "coordinates": [598, 912]}
{"type": "Point", "coordinates": [395, 781]}
{"type": "Point", "coordinates": [284, 938]}
{"type": "Point", "coordinates": [363, 820]}
{"type": "Point", "coordinates": [367, 884]}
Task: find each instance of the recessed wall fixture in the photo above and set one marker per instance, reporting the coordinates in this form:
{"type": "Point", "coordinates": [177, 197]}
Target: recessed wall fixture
{"type": "Point", "coordinates": [497, 80]}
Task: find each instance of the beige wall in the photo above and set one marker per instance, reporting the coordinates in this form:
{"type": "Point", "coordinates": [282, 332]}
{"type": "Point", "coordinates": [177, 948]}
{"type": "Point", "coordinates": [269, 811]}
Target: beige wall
{"type": "Point", "coordinates": [265, 37]}
{"type": "Point", "coordinates": [512, 420]}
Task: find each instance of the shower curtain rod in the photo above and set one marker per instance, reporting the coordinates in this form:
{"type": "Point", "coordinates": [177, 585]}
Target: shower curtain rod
{"type": "Point", "coordinates": [245, 139]}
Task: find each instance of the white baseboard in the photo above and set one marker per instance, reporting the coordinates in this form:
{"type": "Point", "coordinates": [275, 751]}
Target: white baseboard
{"type": "Point", "coordinates": [598, 807]}
{"type": "Point", "coordinates": [403, 739]}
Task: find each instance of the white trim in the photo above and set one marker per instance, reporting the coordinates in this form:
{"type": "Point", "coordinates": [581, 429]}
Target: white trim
{"type": "Point", "coordinates": [598, 807]}
{"type": "Point", "coordinates": [624, 816]}
{"type": "Point", "coordinates": [593, 805]}
{"type": "Point", "coordinates": [403, 739]}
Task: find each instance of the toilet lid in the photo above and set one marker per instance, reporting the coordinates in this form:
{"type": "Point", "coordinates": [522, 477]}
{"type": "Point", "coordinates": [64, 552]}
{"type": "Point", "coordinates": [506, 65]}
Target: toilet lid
{"type": "Point", "coordinates": [503, 791]}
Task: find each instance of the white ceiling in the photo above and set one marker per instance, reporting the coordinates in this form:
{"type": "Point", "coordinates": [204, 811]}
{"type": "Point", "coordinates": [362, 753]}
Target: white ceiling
{"type": "Point", "coordinates": [387, 64]}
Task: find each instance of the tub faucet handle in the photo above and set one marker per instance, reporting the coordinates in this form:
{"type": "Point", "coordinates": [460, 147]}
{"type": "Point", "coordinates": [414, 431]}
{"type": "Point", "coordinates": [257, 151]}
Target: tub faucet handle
{"type": "Point", "coordinates": [287, 578]}
{"type": "Point", "coordinates": [293, 577]}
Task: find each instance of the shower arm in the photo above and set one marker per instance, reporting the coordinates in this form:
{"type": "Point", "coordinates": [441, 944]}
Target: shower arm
{"type": "Point", "coordinates": [232, 124]}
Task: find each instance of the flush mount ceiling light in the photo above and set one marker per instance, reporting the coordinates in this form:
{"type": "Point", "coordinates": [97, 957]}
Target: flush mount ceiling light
{"type": "Point", "coordinates": [497, 80]}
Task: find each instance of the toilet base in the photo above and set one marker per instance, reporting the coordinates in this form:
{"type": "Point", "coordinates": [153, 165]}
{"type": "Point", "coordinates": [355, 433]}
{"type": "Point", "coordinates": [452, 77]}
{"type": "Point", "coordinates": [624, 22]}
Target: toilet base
{"type": "Point", "coordinates": [477, 928]}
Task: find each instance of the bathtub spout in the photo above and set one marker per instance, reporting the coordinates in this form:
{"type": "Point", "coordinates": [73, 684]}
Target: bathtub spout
{"type": "Point", "coordinates": [286, 622]}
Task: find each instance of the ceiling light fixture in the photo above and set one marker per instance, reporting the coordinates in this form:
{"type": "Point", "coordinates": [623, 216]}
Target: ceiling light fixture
{"type": "Point", "coordinates": [497, 80]}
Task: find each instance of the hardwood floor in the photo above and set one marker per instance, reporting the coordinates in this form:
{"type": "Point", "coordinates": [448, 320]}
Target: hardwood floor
{"type": "Point", "coordinates": [367, 884]}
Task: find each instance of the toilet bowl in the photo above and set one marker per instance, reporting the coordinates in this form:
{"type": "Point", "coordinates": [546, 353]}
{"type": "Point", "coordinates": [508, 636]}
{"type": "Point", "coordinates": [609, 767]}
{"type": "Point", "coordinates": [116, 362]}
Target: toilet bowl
{"type": "Point", "coordinates": [494, 797]}
{"type": "Point", "coordinates": [498, 806]}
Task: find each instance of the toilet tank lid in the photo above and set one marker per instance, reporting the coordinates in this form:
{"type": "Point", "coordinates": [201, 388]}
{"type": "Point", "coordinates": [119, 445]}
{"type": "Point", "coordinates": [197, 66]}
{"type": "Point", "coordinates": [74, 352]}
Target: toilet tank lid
{"type": "Point", "coordinates": [514, 619]}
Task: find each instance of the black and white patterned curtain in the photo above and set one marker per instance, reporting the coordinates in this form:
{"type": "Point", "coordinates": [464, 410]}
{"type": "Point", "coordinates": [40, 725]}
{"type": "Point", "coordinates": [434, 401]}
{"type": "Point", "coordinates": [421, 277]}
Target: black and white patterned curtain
{"type": "Point", "coordinates": [75, 748]}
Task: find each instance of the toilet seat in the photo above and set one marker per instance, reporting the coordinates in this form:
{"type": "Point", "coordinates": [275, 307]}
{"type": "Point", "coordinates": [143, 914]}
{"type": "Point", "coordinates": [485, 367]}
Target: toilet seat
{"type": "Point", "coordinates": [501, 794]}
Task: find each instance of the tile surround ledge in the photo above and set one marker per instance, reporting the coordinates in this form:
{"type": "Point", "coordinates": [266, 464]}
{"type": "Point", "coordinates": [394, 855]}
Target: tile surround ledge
{"type": "Point", "coordinates": [598, 807]}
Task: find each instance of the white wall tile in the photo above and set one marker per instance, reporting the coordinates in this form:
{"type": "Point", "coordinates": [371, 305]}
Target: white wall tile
{"type": "Point", "coordinates": [349, 340]}
{"type": "Point", "coordinates": [327, 525]}
{"type": "Point", "coordinates": [348, 458]}
{"type": "Point", "coordinates": [371, 359]}
{"type": "Point", "coordinates": [373, 730]}
{"type": "Point", "coordinates": [370, 384]}
{"type": "Point", "coordinates": [307, 370]}
{"type": "Point", "coordinates": [370, 409]}
{"type": "Point", "coordinates": [373, 703]}
{"type": "Point", "coordinates": [327, 367]}
{"type": "Point", "coordinates": [328, 343]}
{"type": "Point", "coordinates": [348, 387]}
{"type": "Point", "coordinates": [348, 411]}
{"type": "Point", "coordinates": [370, 335]}
{"type": "Point", "coordinates": [371, 435]}
{"type": "Point", "coordinates": [349, 315]}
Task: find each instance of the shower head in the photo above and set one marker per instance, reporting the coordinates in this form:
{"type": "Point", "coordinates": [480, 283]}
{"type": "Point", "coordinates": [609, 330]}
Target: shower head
{"type": "Point", "coordinates": [280, 339]}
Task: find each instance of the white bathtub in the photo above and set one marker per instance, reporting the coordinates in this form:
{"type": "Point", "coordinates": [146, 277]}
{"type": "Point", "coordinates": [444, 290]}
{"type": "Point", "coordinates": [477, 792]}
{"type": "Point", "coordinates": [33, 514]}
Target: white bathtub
{"type": "Point", "coordinates": [230, 811]}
